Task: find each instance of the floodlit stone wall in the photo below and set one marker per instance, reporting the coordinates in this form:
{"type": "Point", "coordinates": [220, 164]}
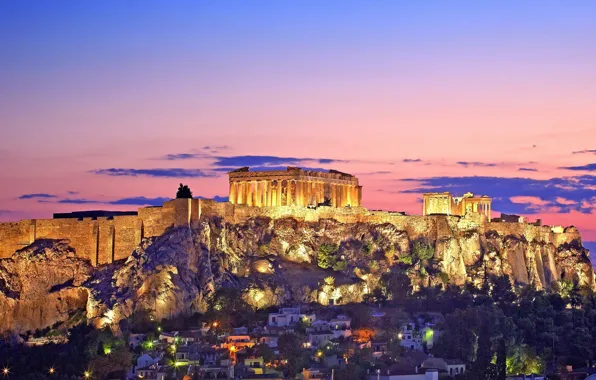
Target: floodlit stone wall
{"type": "Point", "coordinates": [105, 240]}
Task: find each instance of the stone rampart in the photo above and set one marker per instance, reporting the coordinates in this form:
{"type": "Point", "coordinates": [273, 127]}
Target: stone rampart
{"type": "Point", "coordinates": [104, 240]}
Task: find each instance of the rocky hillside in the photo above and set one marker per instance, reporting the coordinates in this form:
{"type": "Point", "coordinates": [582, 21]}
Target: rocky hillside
{"type": "Point", "coordinates": [275, 261]}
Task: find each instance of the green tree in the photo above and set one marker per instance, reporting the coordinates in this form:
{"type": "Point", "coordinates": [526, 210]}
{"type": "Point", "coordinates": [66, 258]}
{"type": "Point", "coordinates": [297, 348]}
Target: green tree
{"type": "Point", "coordinates": [423, 251]}
{"type": "Point", "coordinates": [522, 359]}
{"type": "Point", "coordinates": [326, 255]}
{"type": "Point", "coordinates": [266, 352]}
{"type": "Point", "coordinates": [290, 349]}
{"type": "Point", "coordinates": [183, 192]}
{"type": "Point", "coordinates": [396, 285]}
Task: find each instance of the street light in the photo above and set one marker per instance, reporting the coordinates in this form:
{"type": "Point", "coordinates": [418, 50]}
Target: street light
{"type": "Point", "coordinates": [51, 370]}
{"type": "Point", "coordinates": [5, 371]}
{"type": "Point", "coordinates": [87, 374]}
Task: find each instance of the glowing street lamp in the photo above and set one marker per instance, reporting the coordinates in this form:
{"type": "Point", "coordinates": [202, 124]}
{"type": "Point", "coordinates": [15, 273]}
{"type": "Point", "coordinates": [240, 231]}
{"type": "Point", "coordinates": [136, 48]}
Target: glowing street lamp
{"type": "Point", "coordinates": [51, 370]}
{"type": "Point", "coordinates": [5, 371]}
{"type": "Point", "coordinates": [87, 375]}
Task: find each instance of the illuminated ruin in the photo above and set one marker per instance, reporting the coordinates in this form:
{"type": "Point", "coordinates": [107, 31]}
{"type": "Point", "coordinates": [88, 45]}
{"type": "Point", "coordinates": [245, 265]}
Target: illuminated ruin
{"type": "Point", "coordinates": [446, 204]}
{"type": "Point", "coordinates": [294, 187]}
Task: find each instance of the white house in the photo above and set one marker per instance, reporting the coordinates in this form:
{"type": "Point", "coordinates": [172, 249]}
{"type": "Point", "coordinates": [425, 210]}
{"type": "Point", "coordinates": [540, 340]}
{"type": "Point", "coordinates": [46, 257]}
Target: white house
{"type": "Point", "coordinates": [317, 339]}
{"type": "Point", "coordinates": [146, 365]}
{"type": "Point", "coordinates": [169, 337]}
{"type": "Point", "coordinates": [453, 367]}
{"type": "Point", "coordinates": [430, 374]}
{"type": "Point", "coordinates": [269, 340]}
{"type": "Point", "coordinates": [146, 360]}
{"type": "Point", "coordinates": [416, 338]}
{"type": "Point", "coordinates": [287, 316]}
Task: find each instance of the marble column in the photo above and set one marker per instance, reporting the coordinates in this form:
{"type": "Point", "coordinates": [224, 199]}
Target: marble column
{"type": "Point", "coordinates": [240, 199]}
{"type": "Point", "coordinates": [269, 192]}
{"type": "Point", "coordinates": [258, 194]}
{"type": "Point", "coordinates": [249, 193]}
{"type": "Point", "coordinates": [233, 187]}
{"type": "Point", "coordinates": [290, 192]}
{"type": "Point", "coordinates": [278, 194]}
{"type": "Point", "coordinates": [349, 195]}
{"type": "Point", "coordinates": [321, 191]}
{"type": "Point", "coordinates": [299, 193]}
{"type": "Point", "coordinates": [333, 195]}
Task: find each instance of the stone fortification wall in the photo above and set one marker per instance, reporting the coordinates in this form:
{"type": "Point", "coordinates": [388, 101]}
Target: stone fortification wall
{"type": "Point", "coordinates": [104, 240]}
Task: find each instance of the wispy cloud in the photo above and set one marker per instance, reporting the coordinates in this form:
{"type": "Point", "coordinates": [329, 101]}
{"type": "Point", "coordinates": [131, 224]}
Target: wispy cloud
{"type": "Point", "coordinates": [140, 201]}
{"type": "Point", "coordinates": [593, 151]}
{"type": "Point", "coordinates": [588, 167]}
{"type": "Point", "coordinates": [159, 172]}
{"type": "Point", "coordinates": [558, 194]}
{"type": "Point", "coordinates": [527, 170]}
{"type": "Point", "coordinates": [37, 196]}
{"type": "Point", "coordinates": [248, 160]}
{"type": "Point", "coordinates": [411, 160]}
{"type": "Point", "coordinates": [132, 201]}
{"type": "Point", "coordinates": [475, 164]}
{"type": "Point", "coordinates": [240, 161]}
{"type": "Point", "coordinates": [183, 156]}
{"type": "Point", "coordinates": [78, 201]}
{"type": "Point", "coordinates": [266, 168]}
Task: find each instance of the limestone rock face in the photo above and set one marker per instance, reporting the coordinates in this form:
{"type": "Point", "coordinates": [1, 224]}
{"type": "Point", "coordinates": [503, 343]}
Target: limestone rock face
{"type": "Point", "coordinates": [41, 285]}
{"type": "Point", "coordinates": [273, 261]}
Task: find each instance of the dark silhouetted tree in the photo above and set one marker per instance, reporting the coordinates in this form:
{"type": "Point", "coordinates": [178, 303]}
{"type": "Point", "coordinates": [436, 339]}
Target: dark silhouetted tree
{"type": "Point", "coordinates": [183, 192]}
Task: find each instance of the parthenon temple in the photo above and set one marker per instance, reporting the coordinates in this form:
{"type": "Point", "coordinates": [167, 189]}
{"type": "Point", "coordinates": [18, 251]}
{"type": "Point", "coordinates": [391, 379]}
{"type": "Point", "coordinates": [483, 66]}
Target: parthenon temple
{"type": "Point", "coordinates": [445, 203]}
{"type": "Point", "coordinates": [293, 187]}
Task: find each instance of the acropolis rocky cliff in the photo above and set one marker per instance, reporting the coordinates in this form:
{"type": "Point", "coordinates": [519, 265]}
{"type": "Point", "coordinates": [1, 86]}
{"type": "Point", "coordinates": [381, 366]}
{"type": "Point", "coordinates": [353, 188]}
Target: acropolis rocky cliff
{"type": "Point", "coordinates": [170, 259]}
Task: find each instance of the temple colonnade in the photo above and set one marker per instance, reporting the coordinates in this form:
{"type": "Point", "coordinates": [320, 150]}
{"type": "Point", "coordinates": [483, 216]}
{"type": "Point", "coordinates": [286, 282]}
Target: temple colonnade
{"type": "Point", "coordinates": [293, 192]}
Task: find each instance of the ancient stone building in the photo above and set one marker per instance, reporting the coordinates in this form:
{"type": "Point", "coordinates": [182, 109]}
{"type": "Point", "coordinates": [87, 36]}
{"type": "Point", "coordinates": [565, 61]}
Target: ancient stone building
{"type": "Point", "coordinates": [445, 203]}
{"type": "Point", "coordinates": [293, 187]}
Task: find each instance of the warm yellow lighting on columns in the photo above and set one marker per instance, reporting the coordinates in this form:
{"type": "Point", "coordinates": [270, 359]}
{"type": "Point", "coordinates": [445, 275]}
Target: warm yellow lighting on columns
{"type": "Point", "coordinates": [244, 197]}
{"type": "Point", "coordinates": [257, 193]}
{"type": "Point", "coordinates": [349, 191]}
{"type": "Point", "coordinates": [321, 191]}
{"type": "Point", "coordinates": [333, 196]}
{"type": "Point", "coordinates": [269, 193]}
{"type": "Point", "coordinates": [249, 193]}
{"type": "Point", "coordinates": [309, 192]}
{"type": "Point", "coordinates": [299, 193]}
{"type": "Point", "coordinates": [232, 192]}
{"type": "Point", "coordinates": [289, 197]}
{"type": "Point", "coordinates": [278, 193]}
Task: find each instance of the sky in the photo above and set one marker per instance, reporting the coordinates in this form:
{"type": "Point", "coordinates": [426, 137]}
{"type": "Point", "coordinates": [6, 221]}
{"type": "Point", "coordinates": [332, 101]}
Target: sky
{"type": "Point", "coordinates": [111, 104]}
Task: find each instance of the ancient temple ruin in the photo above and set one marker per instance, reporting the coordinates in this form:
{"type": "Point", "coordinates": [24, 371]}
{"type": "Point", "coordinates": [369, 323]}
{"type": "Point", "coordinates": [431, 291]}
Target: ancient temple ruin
{"type": "Point", "coordinates": [445, 203]}
{"type": "Point", "coordinates": [294, 187]}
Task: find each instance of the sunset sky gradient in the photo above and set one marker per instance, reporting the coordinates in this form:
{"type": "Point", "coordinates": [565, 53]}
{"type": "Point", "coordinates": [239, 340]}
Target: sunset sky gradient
{"type": "Point", "coordinates": [111, 104]}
